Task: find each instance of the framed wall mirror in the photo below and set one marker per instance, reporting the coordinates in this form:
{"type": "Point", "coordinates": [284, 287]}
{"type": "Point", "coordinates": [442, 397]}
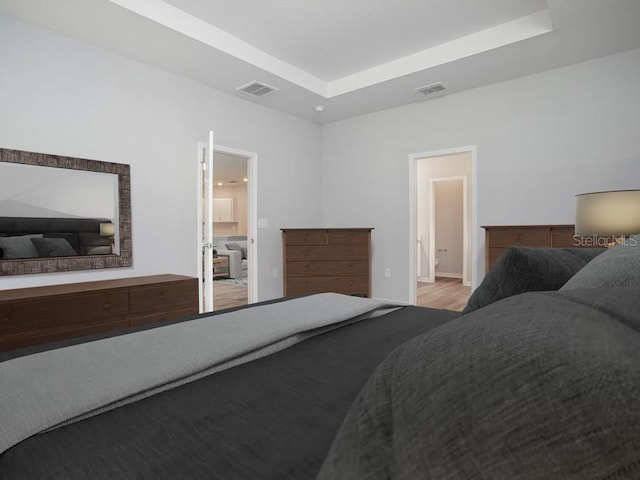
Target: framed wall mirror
{"type": "Point", "coordinates": [62, 213]}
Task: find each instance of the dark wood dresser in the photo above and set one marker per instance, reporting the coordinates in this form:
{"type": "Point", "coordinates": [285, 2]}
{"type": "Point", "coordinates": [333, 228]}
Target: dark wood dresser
{"type": "Point", "coordinates": [318, 260]}
{"type": "Point", "coordinates": [30, 316]}
{"type": "Point", "coordinates": [498, 238]}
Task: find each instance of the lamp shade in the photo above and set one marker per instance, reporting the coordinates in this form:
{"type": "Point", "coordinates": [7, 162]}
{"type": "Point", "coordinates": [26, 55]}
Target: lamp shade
{"type": "Point", "coordinates": [107, 229]}
{"type": "Point", "coordinates": [615, 213]}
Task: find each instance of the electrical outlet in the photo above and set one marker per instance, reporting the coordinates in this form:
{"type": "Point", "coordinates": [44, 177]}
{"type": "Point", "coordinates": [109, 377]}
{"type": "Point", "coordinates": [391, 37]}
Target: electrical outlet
{"type": "Point", "coordinates": [275, 273]}
{"type": "Point", "coordinates": [387, 272]}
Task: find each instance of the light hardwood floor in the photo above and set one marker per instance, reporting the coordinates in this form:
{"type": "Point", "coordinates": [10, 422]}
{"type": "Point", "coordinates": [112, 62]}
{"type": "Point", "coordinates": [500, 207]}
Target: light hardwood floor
{"type": "Point", "coordinates": [226, 295]}
{"type": "Point", "coordinates": [446, 293]}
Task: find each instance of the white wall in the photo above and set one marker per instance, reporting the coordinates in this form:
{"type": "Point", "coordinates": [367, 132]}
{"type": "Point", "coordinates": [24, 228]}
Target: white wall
{"type": "Point", "coordinates": [63, 97]}
{"type": "Point", "coordinates": [540, 140]}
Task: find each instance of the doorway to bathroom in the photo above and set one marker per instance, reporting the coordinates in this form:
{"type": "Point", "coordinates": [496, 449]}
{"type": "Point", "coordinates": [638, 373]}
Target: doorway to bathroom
{"type": "Point", "coordinates": [442, 228]}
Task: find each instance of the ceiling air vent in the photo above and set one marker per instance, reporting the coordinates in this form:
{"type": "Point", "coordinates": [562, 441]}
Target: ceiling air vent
{"type": "Point", "coordinates": [432, 88]}
{"type": "Point", "coordinates": [257, 89]}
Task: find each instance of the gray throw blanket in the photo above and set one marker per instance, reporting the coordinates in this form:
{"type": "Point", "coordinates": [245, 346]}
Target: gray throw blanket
{"type": "Point", "coordinates": [536, 386]}
{"type": "Point", "coordinates": [45, 390]}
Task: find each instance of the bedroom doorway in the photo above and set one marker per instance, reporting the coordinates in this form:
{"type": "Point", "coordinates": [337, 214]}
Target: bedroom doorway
{"type": "Point", "coordinates": [442, 227]}
{"type": "Point", "coordinates": [227, 213]}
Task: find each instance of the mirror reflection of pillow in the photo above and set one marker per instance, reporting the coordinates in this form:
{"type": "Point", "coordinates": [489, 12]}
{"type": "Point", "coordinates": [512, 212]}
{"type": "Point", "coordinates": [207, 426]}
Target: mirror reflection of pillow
{"type": "Point", "coordinates": [19, 246]}
{"type": "Point", "coordinates": [53, 247]}
{"type": "Point", "coordinates": [102, 250]}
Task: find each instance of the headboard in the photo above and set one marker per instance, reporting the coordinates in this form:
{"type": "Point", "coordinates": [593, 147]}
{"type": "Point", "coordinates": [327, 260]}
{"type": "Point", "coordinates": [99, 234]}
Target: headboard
{"type": "Point", "coordinates": [83, 234]}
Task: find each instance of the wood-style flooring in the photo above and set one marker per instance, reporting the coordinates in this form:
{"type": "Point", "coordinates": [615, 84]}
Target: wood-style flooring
{"type": "Point", "coordinates": [446, 293]}
{"type": "Point", "coordinates": [227, 295]}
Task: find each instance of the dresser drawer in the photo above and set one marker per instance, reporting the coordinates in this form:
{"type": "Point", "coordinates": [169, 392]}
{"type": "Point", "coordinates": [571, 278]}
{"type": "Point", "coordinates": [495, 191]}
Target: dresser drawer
{"type": "Point", "coordinates": [348, 237]}
{"type": "Point", "coordinates": [326, 252]}
{"type": "Point", "coordinates": [306, 237]}
{"type": "Point", "coordinates": [529, 237]}
{"type": "Point", "coordinates": [163, 301]}
{"type": "Point", "coordinates": [72, 312]}
{"type": "Point", "coordinates": [563, 237]}
{"type": "Point", "coordinates": [350, 285]}
{"type": "Point", "coordinates": [324, 267]}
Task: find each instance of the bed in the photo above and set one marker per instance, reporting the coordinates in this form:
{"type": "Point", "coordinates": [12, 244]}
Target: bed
{"type": "Point", "coordinates": [54, 237]}
{"type": "Point", "coordinates": [272, 417]}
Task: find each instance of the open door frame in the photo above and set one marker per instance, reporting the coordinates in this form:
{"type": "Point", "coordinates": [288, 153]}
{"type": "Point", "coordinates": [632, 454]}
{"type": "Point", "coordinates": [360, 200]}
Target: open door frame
{"type": "Point", "coordinates": [252, 221]}
{"type": "Point", "coordinates": [252, 216]}
{"type": "Point", "coordinates": [413, 240]}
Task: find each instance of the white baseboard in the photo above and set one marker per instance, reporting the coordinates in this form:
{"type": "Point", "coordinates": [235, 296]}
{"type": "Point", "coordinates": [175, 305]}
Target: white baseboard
{"type": "Point", "coordinates": [448, 275]}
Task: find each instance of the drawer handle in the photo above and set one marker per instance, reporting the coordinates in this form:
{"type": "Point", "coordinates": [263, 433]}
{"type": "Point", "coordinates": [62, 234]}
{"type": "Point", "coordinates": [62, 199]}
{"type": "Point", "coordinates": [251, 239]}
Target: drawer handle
{"type": "Point", "coordinates": [6, 319]}
{"type": "Point", "coordinates": [162, 296]}
{"type": "Point", "coordinates": [517, 236]}
{"type": "Point", "coordinates": [351, 268]}
{"type": "Point", "coordinates": [106, 306]}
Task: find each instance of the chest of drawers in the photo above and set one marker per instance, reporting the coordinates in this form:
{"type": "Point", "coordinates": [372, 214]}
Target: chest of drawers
{"type": "Point", "coordinates": [320, 260]}
{"type": "Point", "coordinates": [499, 238]}
{"type": "Point", "coordinates": [30, 316]}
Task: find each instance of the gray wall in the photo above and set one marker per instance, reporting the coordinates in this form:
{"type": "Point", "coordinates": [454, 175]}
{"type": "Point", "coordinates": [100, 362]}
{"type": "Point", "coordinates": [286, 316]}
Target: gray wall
{"type": "Point", "coordinates": [63, 97]}
{"type": "Point", "coordinates": [540, 140]}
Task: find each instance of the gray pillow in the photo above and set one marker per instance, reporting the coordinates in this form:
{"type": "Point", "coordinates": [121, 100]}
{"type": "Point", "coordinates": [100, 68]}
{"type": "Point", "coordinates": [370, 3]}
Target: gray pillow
{"type": "Point", "coordinates": [617, 267]}
{"type": "Point", "coordinates": [53, 247]}
{"type": "Point", "coordinates": [527, 269]}
{"type": "Point", "coordinates": [71, 237]}
{"type": "Point", "coordinates": [19, 247]}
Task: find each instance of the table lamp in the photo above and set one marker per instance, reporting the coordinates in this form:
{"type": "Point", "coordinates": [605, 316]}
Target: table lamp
{"type": "Point", "coordinates": [614, 215]}
{"type": "Point", "coordinates": [108, 230]}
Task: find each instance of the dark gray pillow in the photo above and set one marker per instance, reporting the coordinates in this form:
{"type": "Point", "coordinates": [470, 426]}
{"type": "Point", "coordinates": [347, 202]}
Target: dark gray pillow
{"type": "Point", "coordinates": [617, 267]}
{"type": "Point", "coordinates": [526, 269]}
{"type": "Point", "coordinates": [71, 237]}
{"type": "Point", "coordinates": [53, 247]}
{"type": "Point", "coordinates": [19, 246]}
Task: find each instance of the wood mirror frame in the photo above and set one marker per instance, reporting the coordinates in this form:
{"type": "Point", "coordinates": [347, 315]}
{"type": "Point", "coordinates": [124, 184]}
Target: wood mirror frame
{"type": "Point", "coordinates": [85, 262]}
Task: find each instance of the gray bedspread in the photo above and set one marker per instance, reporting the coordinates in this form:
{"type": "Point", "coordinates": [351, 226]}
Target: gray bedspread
{"type": "Point", "coordinates": [536, 386]}
{"type": "Point", "coordinates": [52, 388]}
